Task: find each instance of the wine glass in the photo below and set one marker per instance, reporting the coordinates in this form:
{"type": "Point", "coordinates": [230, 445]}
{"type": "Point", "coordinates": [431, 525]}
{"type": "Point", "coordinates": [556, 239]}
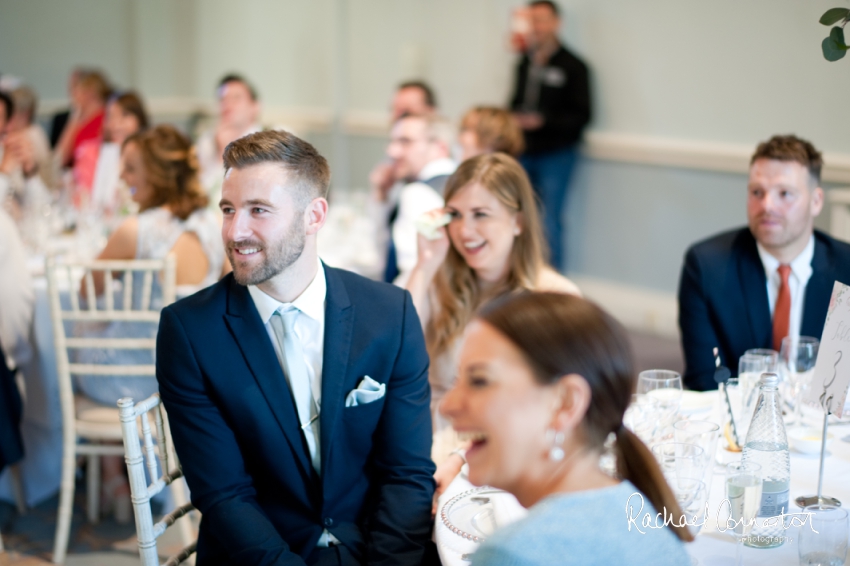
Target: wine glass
{"type": "Point", "coordinates": [666, 387]}
{"type": "Point", "coordinates": [798, 356]}
{"type": "Point", "coordinates": [743, 490]}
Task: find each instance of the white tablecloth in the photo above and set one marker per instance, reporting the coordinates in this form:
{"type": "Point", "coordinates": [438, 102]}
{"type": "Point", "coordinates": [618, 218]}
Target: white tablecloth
{"type": "Point", "coordinates": [713, 548]}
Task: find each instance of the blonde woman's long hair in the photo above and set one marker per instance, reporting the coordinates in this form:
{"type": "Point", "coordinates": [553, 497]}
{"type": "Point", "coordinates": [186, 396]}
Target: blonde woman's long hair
{"type": "Point", "coordinates": [458, 294]}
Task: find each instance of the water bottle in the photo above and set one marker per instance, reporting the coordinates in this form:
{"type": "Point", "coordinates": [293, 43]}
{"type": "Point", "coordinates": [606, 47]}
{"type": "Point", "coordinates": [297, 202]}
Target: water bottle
{"type": "Point", "coordinates": [767, 445]}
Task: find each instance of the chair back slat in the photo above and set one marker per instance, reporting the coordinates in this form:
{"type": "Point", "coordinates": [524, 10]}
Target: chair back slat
{"type": "Point", "coordinates": [114, 369]}
{"type": "Point", "coordinates": [115, 343]}
{"type": "Point", "coordinates": [161, 439]}
{"type": "Point", "coordinates": [107, 277]}
{"type": "Point", "coordinates": [128, 294]}
{"type": "Point", "coordinates": [146, 290]}
{"type": "Point", "coordinates": [91, 295]}
{"type": "Point", "coordinates": [75, 300]}
{"type": "Point", "coordinates": [140, 453]}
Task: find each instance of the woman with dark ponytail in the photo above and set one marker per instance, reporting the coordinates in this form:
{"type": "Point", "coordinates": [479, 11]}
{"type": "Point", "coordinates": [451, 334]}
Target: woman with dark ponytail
{"type": "Point", "coordinates": [543, 380]}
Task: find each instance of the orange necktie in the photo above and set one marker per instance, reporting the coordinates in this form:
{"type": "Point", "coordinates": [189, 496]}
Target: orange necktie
{"type": "Point", "coordinates": [782, 311]}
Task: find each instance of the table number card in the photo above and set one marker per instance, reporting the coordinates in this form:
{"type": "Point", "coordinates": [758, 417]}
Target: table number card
{"type": "Point", "coordinates": [832, 370]}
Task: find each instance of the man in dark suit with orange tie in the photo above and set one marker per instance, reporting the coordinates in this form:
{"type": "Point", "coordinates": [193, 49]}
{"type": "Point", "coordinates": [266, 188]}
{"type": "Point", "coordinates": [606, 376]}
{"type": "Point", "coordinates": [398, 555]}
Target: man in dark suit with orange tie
{"type": "Point", "coordinates": [297, 393]}
{"type": "Point", "coordinates": [751, 287]}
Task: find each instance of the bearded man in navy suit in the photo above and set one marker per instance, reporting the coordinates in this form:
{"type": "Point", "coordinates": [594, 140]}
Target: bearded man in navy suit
{"type": "Point", "coordinates": [751, 287]}
{"type": "Point", "coordinates": [297, 393]}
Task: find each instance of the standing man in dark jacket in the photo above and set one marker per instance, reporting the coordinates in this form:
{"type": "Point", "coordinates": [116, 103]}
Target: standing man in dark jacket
{"type": "Point", "coordinates": [551, 102]}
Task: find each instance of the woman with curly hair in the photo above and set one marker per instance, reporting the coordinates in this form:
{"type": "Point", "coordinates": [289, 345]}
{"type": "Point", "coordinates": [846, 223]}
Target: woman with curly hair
{"type": "Point", "coordinates": [161, 170]}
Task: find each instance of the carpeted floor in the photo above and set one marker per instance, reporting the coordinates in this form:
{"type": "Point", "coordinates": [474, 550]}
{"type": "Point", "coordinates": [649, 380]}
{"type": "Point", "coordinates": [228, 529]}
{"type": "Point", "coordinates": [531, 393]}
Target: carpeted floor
{"type": "Point", "coordinates": [29, 538]}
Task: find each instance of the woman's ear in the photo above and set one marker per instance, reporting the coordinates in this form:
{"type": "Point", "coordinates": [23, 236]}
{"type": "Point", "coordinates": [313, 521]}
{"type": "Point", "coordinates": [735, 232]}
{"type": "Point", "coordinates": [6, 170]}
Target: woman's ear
{"type": "Point", "coordinates": [519, 221]}
{"type": "Point", "coordinates": [573, 395]}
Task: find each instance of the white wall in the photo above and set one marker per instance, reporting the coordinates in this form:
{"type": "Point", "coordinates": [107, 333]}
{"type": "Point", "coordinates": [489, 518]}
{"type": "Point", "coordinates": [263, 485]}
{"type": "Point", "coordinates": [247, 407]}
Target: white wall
{"type": "Point", "coordinates": [713, 78]}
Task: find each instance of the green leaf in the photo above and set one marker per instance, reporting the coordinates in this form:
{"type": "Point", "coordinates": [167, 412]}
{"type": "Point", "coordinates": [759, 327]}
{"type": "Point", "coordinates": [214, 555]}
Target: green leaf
{"type": "Point", "coordinates": [833, 46]}
{"type": "Point", "coordinates": [834, 15]}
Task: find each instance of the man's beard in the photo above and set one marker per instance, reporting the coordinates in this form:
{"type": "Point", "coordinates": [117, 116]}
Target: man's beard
{"type": "Point", "coordinates": [279, 256]}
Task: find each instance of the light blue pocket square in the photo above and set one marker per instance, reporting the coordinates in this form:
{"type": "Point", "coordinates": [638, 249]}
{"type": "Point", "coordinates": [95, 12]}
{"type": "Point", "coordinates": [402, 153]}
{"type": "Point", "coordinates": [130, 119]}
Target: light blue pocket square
{"type": "Point", "coordinates": [368, 391]}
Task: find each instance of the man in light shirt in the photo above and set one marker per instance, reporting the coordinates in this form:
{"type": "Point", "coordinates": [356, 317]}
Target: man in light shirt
{"type": "Point", "coordinates": [751, 287]}
{"type": "Point", "coordinates": [420, 150]}
{"type": "Point", "coordinates": [297, 393]}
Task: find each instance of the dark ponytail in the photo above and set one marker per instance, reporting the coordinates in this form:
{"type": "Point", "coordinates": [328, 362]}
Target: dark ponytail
{"type": "Point", "coordinates": [564, 334]}
{"type": "Point", "coordinates": [637, 464]}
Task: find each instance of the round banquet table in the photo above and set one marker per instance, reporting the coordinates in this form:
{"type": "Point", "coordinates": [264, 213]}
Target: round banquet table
{"type": "Point", "coordinates": [712, 547]}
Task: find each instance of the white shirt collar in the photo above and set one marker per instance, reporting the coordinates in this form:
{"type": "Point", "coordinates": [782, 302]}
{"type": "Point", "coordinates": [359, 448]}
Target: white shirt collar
{"type": "Point", "coordinates": [801, 266]}
{"type": "Point", "coordinates": [443, 166]}
{"type": "Point", "coordinates": [311, 302]}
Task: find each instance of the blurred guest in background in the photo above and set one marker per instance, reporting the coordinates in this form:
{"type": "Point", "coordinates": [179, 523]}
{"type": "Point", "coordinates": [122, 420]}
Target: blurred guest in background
{"type": "Point", "coordinates": [21, 188]}
{"type": "Point", "coordinates": [414, 98]}
{"type": "Point", "coordinates": [23, 123]}
{"type": "Point", "coordinates": [552, 104]}
{"type": "Point", "coordinates": [125, 116]}
{"type": "Point", "coordinates": [89, 92]}
{"type": "Point", "coordinates": [420, 149]}
{"type": "Point", "coordinates": [60, 119]}
{"type": "Point", "coordinates": [493, 245]}
{"type": "Point", "coordinates": [543, 380]}
{"type": "Point", "coordinates": [753, 286]}
{"type": "Point", "coordinates": [238, 112]}
{"type": "Point", "coordinates": [161, 170]}
{"type": "Point", "coordinates": [16, 295]}
{"type": "Point", "coordinates": [487, 129]}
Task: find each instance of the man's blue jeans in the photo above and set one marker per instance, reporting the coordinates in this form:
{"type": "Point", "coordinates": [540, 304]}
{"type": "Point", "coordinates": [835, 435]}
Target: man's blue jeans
{"type": "Point", "coordinates": [550, 174]}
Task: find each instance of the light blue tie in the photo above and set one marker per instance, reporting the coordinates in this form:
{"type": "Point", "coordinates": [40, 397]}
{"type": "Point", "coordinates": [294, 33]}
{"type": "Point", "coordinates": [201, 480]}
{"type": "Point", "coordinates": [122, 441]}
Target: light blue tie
{"type": "Point", "coordinates": [295, 369]}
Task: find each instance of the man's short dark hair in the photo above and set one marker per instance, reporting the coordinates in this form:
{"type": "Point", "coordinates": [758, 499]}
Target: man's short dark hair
{"type": "Point", "coordinates": [551, 5]}
{"type": "Point", "coordinates": [791, 148]}
{"type": "Point", "coordinates": [235, 78]}
{"type": "Point", "coordinates": [427, 91]}
{"type": "Point", "coordinates": [6, 101]}
{"type": "Point", "coordinates": [298, 158]}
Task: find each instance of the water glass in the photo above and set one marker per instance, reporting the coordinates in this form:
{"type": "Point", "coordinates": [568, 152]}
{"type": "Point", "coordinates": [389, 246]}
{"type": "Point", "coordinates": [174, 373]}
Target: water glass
{"type": "Point", "coordinates": [666, 387]}
{"type": "Point", "coordinates": [680, 460]}
{"type": "Point", "coordinates": [642, 417]}
{"type": "Point", "coordinates": [701, 433]}
{"type": "Point", "coordinates": [743, 491]}
{"type": "Point", "coordinates": [827, 546]}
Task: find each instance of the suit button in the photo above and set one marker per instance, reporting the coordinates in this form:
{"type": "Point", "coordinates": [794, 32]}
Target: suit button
{"type": "Point", "coordinates": [328, 522]}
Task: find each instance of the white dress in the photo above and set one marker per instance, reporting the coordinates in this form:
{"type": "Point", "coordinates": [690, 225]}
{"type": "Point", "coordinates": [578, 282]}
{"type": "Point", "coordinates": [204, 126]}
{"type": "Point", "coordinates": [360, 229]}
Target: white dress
{"type": "Point", "coordinates": [158, 231]}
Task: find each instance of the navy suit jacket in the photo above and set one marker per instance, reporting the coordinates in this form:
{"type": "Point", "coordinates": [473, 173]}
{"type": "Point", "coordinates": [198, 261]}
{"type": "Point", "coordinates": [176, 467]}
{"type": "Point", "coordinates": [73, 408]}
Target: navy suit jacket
{"type": "Point", "coordinates": [236, 432]}
{"type": "Point", "coordinates": [723, 300]}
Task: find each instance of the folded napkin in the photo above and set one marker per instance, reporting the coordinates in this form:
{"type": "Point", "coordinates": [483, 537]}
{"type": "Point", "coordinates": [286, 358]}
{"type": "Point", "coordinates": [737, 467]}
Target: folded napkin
{"type": "Point", "coordinates": [368, 391]}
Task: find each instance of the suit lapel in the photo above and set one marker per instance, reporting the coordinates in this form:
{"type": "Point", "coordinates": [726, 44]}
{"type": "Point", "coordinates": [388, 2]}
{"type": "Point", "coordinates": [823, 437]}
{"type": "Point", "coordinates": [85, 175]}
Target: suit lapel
{"type": "Point", "coordinates": [754, 287]}
{"type": "Point", "coordinates": [818, 292]}
{"type": "Point", "coordinates": [250, 334]}
{"type": "Point", "coordinates": [339, 320]}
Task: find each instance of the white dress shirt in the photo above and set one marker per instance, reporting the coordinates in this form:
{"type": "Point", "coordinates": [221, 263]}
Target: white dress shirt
{"type": "Point", "coordinates": [310, 330]}
{"type": "Point", "coordinates": [801, 272]}
{"type": "Point", "coordinates": [414, 200]}
{"type": "Point", "coordinates": [309, 326]}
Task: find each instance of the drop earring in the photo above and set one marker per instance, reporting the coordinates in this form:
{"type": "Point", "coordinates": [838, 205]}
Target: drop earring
{"type": "Point", "coordinates": [556, 453]}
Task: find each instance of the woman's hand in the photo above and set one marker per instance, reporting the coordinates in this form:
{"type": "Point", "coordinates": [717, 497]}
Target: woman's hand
{"type": "Point", "coordinates": [445, 474]}
{"type": "Point", "coordinates": [431, 251]}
